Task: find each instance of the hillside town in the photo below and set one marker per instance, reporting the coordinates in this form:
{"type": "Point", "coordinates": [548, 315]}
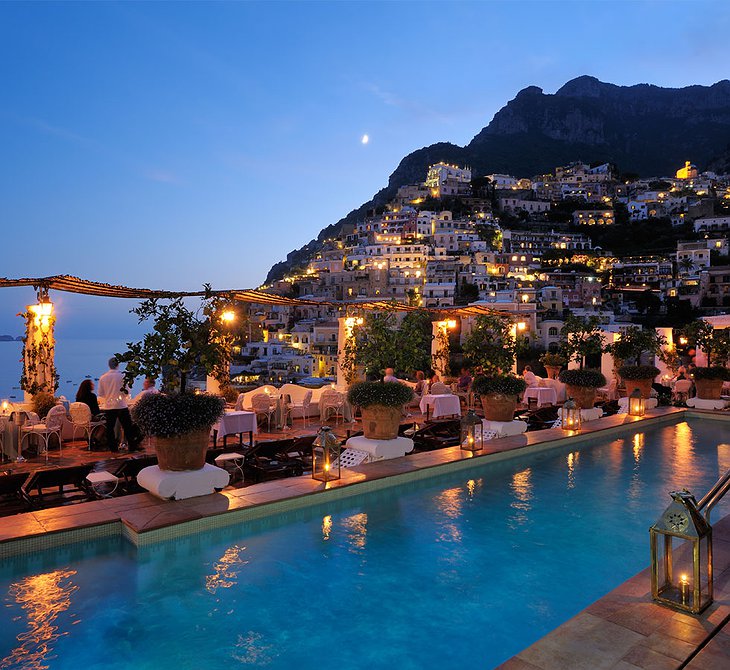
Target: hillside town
{"type": "Point", "coordinates": [556, 244]}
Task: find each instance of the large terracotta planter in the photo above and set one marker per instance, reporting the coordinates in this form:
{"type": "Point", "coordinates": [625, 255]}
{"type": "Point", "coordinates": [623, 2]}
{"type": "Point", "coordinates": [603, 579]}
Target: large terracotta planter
{"type": "Point", "coordinates": [708, 389]}
{"type": "Point", "coordinates": [380, 422]}
{"type": "Point", "coordinates": [644, 386]}
{"type": "Point", "coordinates": [499, 407]}
{"type": "Point", "coordinates": [552, 371]}
{"type": "Point", "coordinates": [184, 452]}
{"type": "Point", "coordinates": [584, 396]}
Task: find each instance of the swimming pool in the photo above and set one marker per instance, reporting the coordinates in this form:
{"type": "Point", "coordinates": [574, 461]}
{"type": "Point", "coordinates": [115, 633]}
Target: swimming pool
{"type": "Point", "coordinates": [453, 571]}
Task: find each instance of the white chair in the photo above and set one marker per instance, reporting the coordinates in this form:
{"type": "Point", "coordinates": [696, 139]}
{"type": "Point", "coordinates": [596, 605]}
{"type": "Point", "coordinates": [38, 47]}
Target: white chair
{"type": "Point", "coordinates": [331, 401]}
{"type": "Point", "coordinates": [261, 404]}
{"type": "Point", "coordinates": [81, 419]}
{"type": "Point", "coordinates": [300, 405]}
{"type": "Point", "coordinates": [53, 425]}
{"type": "Point", "coordinates": [681, 389]}
{"type": "Point", "coordinates": [439, 388]}
{"type": "Point", "coordinates": [608, 392]}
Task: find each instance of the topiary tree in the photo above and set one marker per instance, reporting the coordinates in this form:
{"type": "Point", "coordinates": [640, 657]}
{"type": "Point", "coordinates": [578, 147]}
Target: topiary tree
{"type": "Point", "coordinates": [714, 342]}
{"type": "Point", "coordinates": [633, 342]}
{"type": "Point", "coordinates": [491, 345]}
{"type": "Point", "coordinates": [581, 337]}
{"type": "Point", "coordinates": [375, 342]}
{"type": "Point", "coordinates": [413, 343]}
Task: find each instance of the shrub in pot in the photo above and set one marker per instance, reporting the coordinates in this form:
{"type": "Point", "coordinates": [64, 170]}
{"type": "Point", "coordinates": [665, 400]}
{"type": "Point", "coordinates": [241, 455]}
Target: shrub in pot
{"type": "Point", "coordinates": [179, 426]}
{"type": "Point", "coordinates": [381, 404]}
{"type": "Point", "coordinates": [581, 385]}
{"type": "Point", "coordinates": [638, 377]}
{"type": "Point", "coordinates": [553, 364]}
{"type": "Point", "coordinates": [708, 382]}
{"type": "Point", "coordinates": [42, 403]}
{"type": "Point", "coordinates": [499, 395]}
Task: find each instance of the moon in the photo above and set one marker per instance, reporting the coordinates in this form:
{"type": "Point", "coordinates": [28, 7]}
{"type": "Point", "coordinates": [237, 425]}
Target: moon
{"type": "Point", "coordinates": [365, 139]}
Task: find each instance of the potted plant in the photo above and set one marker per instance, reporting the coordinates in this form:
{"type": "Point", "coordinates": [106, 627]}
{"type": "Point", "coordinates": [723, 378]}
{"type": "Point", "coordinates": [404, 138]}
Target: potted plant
{"type": "Point", "coordinates": [491, 346]}
{"type": "Point", "coordinates": [181, 341]}
{"type": "Point", "coordinates": [639, 377]}
{"type": "Point", "coordinates": [708, 382]}
{"type": "Point", "coordinates": [499, 395]}
{"type": "Point", "coordinates": [581, 385]}
{"type": "Point", "coordinates": [553, 363]}
{"type": "Point", "coordinates": [179, 426]}
{"type": "Point", "coordinates": [381, 404]}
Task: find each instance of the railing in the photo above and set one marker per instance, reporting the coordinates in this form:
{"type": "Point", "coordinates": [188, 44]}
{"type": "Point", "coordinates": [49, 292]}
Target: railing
{"type": "Point", "coordinates": [714, 495]}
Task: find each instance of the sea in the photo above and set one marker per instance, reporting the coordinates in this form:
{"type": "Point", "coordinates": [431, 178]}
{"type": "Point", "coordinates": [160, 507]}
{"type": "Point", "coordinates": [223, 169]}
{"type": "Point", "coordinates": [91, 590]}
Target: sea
{"type": "Point", "coordinates": [76, 359]}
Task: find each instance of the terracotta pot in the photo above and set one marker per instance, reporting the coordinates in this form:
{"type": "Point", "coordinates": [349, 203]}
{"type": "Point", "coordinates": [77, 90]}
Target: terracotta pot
{"type": "Point", "coordinates": [584, 396]}
{"type": "Point", "coordinates": [644, 386]}
{"type": "Point", "coordinates": [184, 452]}
{"type": "Point", "coordinates": [499, 407]}
{"type": "Point", "coordinates": [552, 371]}
{"type": "Point", "coordinates": [708, 389]}
{"type": "Point", "coordinates": [380, 422]}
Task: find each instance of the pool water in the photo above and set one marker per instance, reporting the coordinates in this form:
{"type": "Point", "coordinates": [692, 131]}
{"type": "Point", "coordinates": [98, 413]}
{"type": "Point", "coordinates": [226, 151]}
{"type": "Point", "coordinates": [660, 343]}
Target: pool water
{"type": "Point", "coordinates": [452, 572]}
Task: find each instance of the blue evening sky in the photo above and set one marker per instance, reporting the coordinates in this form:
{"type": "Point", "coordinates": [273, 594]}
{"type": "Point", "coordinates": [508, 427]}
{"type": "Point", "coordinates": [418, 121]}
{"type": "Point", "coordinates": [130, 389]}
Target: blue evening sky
{"type": "Point", "coordinates": [166, 145]}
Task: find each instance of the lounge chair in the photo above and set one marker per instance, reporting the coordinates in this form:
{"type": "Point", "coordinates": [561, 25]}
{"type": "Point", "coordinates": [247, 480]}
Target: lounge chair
{"type": "Point", "coordinates": [301, 450]}
{"type": "Point", "coordinates": [12, 499]}
{"type": "Point", "coordinates": [70, 484]}
{"type": "Point", "coordinates": [129, 468]}
{"type": "Point", "coordinates": [438, 435]}
{"type": "Point", "coordinates": [269, 460]}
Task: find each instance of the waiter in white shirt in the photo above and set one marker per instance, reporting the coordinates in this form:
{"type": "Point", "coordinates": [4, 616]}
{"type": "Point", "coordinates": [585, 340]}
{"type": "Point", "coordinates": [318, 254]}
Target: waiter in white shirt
{"type": "Point", "coordinates": [113, 402]}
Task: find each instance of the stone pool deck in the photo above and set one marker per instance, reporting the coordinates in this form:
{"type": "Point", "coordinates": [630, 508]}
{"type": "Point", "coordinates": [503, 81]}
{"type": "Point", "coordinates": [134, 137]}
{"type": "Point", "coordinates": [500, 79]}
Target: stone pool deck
{"type": "Point", "coordinates": [623, 630]}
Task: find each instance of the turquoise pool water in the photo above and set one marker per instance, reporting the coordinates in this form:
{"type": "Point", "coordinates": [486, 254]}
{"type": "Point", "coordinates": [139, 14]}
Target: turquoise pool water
{"type": "Point", "coordinates": [454, 572]}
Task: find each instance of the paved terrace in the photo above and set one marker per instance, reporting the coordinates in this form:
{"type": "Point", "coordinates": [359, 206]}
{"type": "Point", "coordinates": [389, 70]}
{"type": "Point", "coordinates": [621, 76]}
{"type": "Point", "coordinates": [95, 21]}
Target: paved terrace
{"type": "Point", "coordinates": [624, 630]}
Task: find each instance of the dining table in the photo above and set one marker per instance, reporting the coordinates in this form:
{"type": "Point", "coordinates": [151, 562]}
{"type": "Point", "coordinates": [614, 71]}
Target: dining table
{"type": "Point", "coordinates": [544, 395]}
{"type": "Point", "coordinates": [442, 404]}
{"type": "Point", "coordinates": [235, 422]}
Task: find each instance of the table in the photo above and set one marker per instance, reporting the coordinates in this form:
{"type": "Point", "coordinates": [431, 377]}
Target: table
{"type": "Point", "coordinates": [446, 404]}
{"type": "Point", "coordinates": [99, 479]}
{"type": "Point", "coordinates": [543, 394]}
{"type": "Point", "coordinates": [234, 459]}
{"type": "Point", "coordinates": [236, 423]}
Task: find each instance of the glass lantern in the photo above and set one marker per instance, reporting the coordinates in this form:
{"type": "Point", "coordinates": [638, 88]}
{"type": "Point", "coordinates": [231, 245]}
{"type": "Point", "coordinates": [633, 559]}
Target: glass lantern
{"type": "Point", "coordinates": [681, 556]}
{"type": "Point", "coordinates": [570, 415]}
{"type": "Point", "coordinates": [636, 403]}
{"type": "Point", "coordinates": [326, 456]}
{"type": "Point", "coordinates": [472, 432]}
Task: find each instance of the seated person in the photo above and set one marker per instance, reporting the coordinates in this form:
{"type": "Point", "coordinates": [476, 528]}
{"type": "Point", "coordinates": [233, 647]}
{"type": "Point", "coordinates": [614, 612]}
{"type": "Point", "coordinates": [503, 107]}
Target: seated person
{"type": "Point", "coordinates": [529, 376]}
{"type": "Point", "coordinates": [465, 380]}
{"type": "Point", "coordinates": [420, 382]}
{"type": "Point", "coordinates": [432, 377]}
{"type": "Point", "coordinates": [86, 395]}
{"type": "Point", "coordinates": [148, 386]}
{"type": "Point", "coordinates": [390, 375]}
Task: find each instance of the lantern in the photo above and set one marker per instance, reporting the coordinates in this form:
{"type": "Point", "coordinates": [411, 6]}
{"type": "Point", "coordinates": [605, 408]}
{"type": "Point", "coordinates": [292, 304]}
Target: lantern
{"type": "Point", "coordinates": [570, 415]}
{"type": "Point", "coordinates": [636, 403]}
{"type": "Point", "coordinates": [681, 556]}
{"type": "Point", "coordinates": [326, 456]}
{"type": "Point", "coordinates": [472, 432]}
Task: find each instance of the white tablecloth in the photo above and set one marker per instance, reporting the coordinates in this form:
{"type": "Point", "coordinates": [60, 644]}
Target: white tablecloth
{"type": "Point", "coordinates": [232, 423]}
{"type": "Point", "coordinates": [543, 394]}
{"type": "Point", "coordinates": [441, 405]}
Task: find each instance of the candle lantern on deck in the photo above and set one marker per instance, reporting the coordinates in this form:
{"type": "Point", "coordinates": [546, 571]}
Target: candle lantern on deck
{"type": "Point", "coordinates": [681, 556]}
{"type": "Point", "coordinates": [326, 456]}
{"type": "Point", "coordinates": [472, 432]}
{"type": "Point", "coordinates": [570, 415]}
{"type": "Point", "coordinates": [637, 405]}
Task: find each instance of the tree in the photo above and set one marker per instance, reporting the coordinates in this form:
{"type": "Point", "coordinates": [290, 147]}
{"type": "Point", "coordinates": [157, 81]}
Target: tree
{"type": "Point", "coordinates": [581, 337]}
{"type": "Point", "coordinates": [634, 342]}
{"type": "Point", "coordinates": [648, 303]}
{"type": "Point", "coordinates": [466, 293]}
{"type": "Point", "coordinates": [413, 343]}
{"type": "Point", "coordinates": [490, 346]}
{"type": "Point", "coordinates": [375, 343]}
{"type": "Point", "coordinates": [714, 342]}
{"type": "Point", "coordinates": [686, 265]}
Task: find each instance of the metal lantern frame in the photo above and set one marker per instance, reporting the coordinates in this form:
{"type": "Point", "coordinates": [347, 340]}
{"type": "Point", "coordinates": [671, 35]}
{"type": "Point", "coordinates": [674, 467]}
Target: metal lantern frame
{"type": "Point", "coordinates": [637, 405]}
{"type": "Point", "coordinates": [472, 432]}
{"type": "Point", "coordinates": [688, 589]}
{"type": "Point", "coordinates": [326, 456]}
{"type": "Point", "coordinates": [570, 417]}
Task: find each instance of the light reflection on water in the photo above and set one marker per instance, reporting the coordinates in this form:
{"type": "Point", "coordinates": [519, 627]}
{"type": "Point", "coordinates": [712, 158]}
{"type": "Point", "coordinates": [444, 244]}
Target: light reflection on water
{"type": "Point", "coordinates": [225, 571]}
{"type": "Point", "coordinates": [43, 598]}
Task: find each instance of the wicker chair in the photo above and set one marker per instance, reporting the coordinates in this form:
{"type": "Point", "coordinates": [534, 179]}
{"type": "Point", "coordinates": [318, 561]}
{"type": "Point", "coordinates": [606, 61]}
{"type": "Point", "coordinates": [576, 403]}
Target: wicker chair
{"type": "Point", "coordinates": [81, 419]}
{"type": "Point", "coordinates": [331, 401]}
{"type": "Point", "coordinates": [262, 405]}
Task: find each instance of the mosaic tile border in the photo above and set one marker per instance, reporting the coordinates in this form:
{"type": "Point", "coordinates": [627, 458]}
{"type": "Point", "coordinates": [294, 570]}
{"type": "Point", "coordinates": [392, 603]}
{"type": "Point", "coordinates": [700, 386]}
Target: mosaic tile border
{"type": "Point", "coordinates": [50, 540]}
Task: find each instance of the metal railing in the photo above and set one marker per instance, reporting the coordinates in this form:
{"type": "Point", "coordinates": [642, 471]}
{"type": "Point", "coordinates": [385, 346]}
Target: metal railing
{"type": "Point", "coordinates": [714, 495]}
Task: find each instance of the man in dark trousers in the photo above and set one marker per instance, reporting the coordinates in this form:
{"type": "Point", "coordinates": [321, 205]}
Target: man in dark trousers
{"type": "Point", "coordinates": [113, 402]}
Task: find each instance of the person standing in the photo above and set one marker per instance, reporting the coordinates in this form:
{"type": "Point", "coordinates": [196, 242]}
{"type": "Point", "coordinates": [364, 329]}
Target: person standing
{"type": "Point", "coordinates": [113, 402]}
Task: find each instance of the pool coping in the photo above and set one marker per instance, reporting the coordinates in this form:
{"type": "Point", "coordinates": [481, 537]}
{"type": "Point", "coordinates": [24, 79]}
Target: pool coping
{"type": "Point", "coordinates": [144, 519]}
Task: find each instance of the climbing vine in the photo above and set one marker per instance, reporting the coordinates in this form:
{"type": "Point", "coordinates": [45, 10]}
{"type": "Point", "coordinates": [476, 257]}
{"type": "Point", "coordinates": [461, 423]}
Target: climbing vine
{"type": "Point", "coordinates": [39, 370]}
{"type": "Point", "coordinates": [440, 358]}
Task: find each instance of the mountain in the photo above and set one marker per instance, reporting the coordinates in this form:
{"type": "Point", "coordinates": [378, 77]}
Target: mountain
{"type": "Point", "coordinates": [644, 129]}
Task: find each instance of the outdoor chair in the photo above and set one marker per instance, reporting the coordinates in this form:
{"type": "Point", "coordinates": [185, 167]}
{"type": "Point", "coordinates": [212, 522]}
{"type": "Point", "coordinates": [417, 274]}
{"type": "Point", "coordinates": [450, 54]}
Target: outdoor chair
{"type": "Point", "coordinates": [438, 435]}
{"type": "Point", "coordinates": [269, 460]}
{"type": "Point", "coordinates": [12, 499]}
{"type": "Point", "coordinates": [128, 469]}
{"type": "Point", "coordinates": [300, 406]}
{"type": "Point", "coordinates": [67, 485]}
{"type": "Point", "coordinates": [540, 418]}
{"type": "Point", "coordinates": [262, 405]}
{"type": "Point", "coordinates": [53, 425]}
{"type": "Point", "coordinates": [331, 401]}
{"type": "Point", "coordinates": [301, 450]}
{"type": "Point", "coordinates": [439, 388]}
{"type": "Point", "coordinates": [81, 420]}
{"type": "Point", "coordinates": [681, 390]}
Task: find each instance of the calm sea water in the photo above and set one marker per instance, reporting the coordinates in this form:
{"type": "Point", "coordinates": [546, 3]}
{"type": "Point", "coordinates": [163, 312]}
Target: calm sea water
{"type": "Point", "coordinates": [459, 571]}
{"type": "Point", "coordinates": [74, 360]}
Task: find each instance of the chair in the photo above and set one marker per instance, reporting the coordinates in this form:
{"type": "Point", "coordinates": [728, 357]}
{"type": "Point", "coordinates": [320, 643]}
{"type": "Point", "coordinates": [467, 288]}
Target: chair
{"type": "Point", "coordinates": [12, 499]}
{"type": "Point", "coordinates": [81, 420]}
{"type": "Point", "coordinates": [70, 482]}
{"type": "Point", "coordinates": [53, 425]}
{"type": "Point", "coordinates": [301, 450]}
{"type": "Point", "coordinates": [239, 402]}
{"type": "Point", "coordinates": [129, 468]}
{"type": "Point", "coordinates": [608, 392]}
{"type": "Point", "coordinates": [329, 401]}
{"type": "Point", "coordinates": [261, 404]}
{"type": "Point", "coordinates": [301, 405]}
{"type": "Point", "coordinates": [439, 388]}
{"type": "Point", "coordinates": [438, 435]}
{"type": "Point", "coordinates": [269, 460]}
{"type": "Point", "coordinates": [681, 390]}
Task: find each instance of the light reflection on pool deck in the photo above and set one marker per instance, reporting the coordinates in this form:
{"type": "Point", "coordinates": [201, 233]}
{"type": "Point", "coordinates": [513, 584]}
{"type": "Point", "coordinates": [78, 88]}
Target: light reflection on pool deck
{"type": "Point", "coordinates": [459, 570]}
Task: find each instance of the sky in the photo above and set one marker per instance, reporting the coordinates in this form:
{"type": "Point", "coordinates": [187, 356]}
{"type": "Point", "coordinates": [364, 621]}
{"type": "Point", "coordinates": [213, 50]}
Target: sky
{"type": "Point", "coordinates": [166, 145]}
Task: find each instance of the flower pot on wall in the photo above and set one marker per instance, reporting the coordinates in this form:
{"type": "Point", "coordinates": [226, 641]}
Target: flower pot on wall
{"type": "Point", "coordinates": [499, 407]}
{"type": "Point", "coordinates": [581, 385]}
{"type": "Point", "coordinates": [182, 452]}
{"type": "Point", "coordinates": [709, 389]}
{"type": "Point", "coordinates": [552, 371]}
{"type": "Point", "coordinates": [584, 396]}
{"type": "Point", "coordinates": [380, 422]}
{"type": "Point", "coordinates": [644, 386]}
